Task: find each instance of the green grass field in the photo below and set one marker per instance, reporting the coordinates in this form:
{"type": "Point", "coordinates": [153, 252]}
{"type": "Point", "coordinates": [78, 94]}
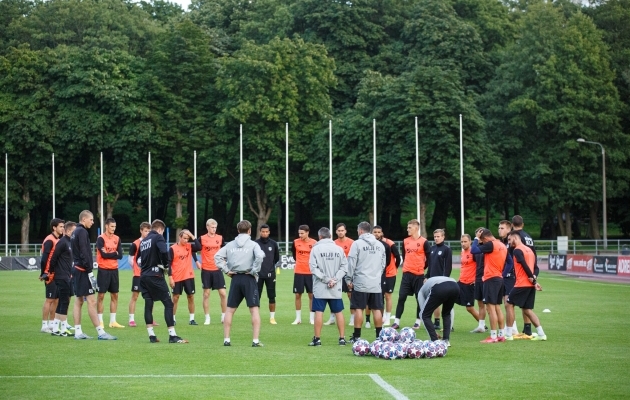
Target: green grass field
{"type": "Point", "coordinates": [587, 354]}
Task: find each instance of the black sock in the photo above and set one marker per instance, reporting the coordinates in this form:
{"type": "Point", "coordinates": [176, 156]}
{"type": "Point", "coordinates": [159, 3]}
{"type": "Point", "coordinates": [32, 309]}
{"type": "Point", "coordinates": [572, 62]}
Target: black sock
{"type": "Point", "coordinates": [527, 329]}
{"type": "Point", "coordinates": [357, 333]}
{"type": "Point", "coordinates": [378, 332]}
{"type": "Point", "coordinates": [316, 337]}
{"type": "Point", "coordinates": [367, 318]}
{"type": "Point", "coordinates": [437, 321]}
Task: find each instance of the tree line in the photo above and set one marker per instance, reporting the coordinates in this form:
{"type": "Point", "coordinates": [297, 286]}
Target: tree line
{"type": "Point", "coordinates": [81, 77]}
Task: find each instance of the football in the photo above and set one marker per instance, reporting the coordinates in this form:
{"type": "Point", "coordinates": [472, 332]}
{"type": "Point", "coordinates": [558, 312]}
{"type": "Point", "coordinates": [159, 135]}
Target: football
{"type": "Point", "coordinates": [388, 335]}
{"type": "Point", "coordinates": [430, 349]}
{"type": "Point", "coordinates": [407, 335]}
{"type": "Point", "coordinates": [401, 350]}
{"type": "Point", "coordinates": [415, 349]}
{"type": "Point", "coordinates": [388, 351]}
{"type": "Point", "coordinates": [361, 347]}
{"type": "Point", "coordinates": [375, 348]}
{"type": "Point", "coordinates": [440, 347]}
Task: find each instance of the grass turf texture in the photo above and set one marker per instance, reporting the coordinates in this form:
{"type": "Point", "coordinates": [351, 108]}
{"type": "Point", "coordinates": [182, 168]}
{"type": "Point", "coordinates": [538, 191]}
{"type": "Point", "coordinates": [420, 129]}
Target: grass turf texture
{"type": "Point", "coordinates": [586, 356]}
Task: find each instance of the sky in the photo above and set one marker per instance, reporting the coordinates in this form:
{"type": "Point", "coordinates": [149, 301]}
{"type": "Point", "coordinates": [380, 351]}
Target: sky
{"type": "Point", "coordinates": [183, 3]}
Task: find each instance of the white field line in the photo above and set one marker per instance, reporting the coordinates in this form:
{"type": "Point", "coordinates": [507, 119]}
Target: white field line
{"type": "Point", "coordinates": [590, 282]}
{"type": "Point", "coordinates": [375, 377]}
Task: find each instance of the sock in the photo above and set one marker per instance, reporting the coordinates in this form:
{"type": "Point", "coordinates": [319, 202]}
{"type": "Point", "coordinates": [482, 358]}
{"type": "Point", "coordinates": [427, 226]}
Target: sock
{"type": "Point", "coordinates": [418, 321]}
{"type": "Point", "coordinates": [367, 318]}
{"type": "Point", "coordinates": [514, 327]}
{"type": "Point", "coordinates": [332, 318]}
{"type": "Point", "coordinates": [100, 330]}
{"type": "Point", "coordinates": [508, 332]}
{"type": "Point", "coordinates": [207, 317]}
{"type": "Point", "coordinates": [171, 331]}
{"type": "Point", "coordinates": [77, 330]}
{"type": "Point", "coordinates": [312, 316]}
{"type": "Point", "coordinates": [55, 325]}
{"type": "Point", "coordinates": [174, 319]}
{"type": "Point", "coordinates": [222, 316]}
{"type": "Point", "coordinates": [100, 318]}
{"type": "Point", "coordinates": [64, 326]}
{"type": "Point", "coordinates": [437, 321]}
{"type": "Point", "coordinates": [357, 332]}
{"type": "Point", "coordinates": [527, 329]}
{"type": "Point", "coordinates": [112, 317]}
{"type": "Point", "coordinates": [272, 314]}
{"type": "Point", "coordinates": [482, 323]}
{"type": "Point", "coordinates": [45, 323]}
{"type": "Point", "coordinates": [397, 321]}
{"type": "Point", "coordinates": [227, 339]}
{"type": "Point", "coordinates": [298, 315]}
{"type": "Point", "coordinates": [378, 332]}
{"type": "Point", "coordinates": [131, 318]}
{"type": "Point", "coordinates": [501, 334]}
{"type": "Point", "coordinates": [540, 331]}
{"type": "Point", "coordinates": [192, 317]}
{"type": "Point", "coordinates": [255, 340]}
{"type": "Point", "coordinates": [316, 338]}
{"type": "Point", "coordinates": [352, 319]}
{"type": "Point", "coordinates": [493, 334]}
{"type": "Point", "coordinates": [150, 330]}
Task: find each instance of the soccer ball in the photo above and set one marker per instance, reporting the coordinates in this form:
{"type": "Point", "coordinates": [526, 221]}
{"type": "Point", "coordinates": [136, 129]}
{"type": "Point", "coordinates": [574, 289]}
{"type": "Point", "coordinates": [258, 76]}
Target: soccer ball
{"type": "Point", "coordinates": [407, 335]}
{"type": "Point", "coordinates": [361, 347]}
{"type": "Point", "coordinates": [389, 351]}
{"type": "Point", "coordinates": [441, 348]}
{"type": "Point", "coordinates": [415, 349]}
{"type": "Point", "coordinates": [375, 348]}
{"type": "Point", "coordinates": [388, 335]}
{"type": "Point", "coordinates": [430, 349]}
{"type": "Point", "coordinates": [401, 350]}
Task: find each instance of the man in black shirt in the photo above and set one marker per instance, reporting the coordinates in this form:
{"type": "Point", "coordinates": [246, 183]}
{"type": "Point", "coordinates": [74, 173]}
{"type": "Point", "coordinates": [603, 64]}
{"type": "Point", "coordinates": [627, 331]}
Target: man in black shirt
{"type": "Point", "coordinates": [526, 239]}
{"type": "Point", "coordinates": [60, 267]}
{"type": "Point", "coordinates": [153, 260]}
{"type": "Point", "coordinates": [267, 274]}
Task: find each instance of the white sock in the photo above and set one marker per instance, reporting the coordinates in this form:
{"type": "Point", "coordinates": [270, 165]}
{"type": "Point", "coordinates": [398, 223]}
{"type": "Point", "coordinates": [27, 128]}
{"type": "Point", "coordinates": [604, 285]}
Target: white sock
{"type": "Point", "coordinates": [508, 332]}
{"type": "Point", "coordinates": [100, 330]}
{"type": "Point", "coordinates": [397, 321]}
{"type": "Point", "coordinates": [298, 315]}
{"type": "Point", "coordinates": [255, 340]}
{"type": "Point", "coordinates": [171, 331]}
{"type": "Point", "coordinates": [501, 334]}
{"type": "Point", "coordinates": [64, 326]}
{"type": "Point", "coordinates": [493, 334]}
{"type": "Point", "coordinates": [272, 314]}
{"type": "Point", "coordinates": [207, 317]}
{"type": "Point", "coordinates": [100, 318]}
{"type": "Point", "coordinates": [482, 323]}
{"type": "Point", "coordinates": [227, 339]}
{"type": "Point", "coordinates": [174, 319]}
{"type": "Point", "coordinates": [45, 323]}
{"type": "Point", "coordinates": [222, 317]}
{"type": "Point", "coordinates": [514, 328]}
{"type": "Point", "coordinates": [332, 317]}
{"type": "Point", "coordinates": [312, 316]}
{"type": "Point", "coordinates": [112, 317]}
{"type": "Point", "coordinates": [150, 330]}
{"type": "Point", "coordinates": [351, 317]}
{"type": "Point", "coordinates": [418, 321]}
{"type": "Point", "coordinates": [55, 325]}
{"type": "Point", "coordinates": [131, 318]}
{"type": "Point", "coordinates": [192, 317]}
{"type": "Point", "coordinates": [540, 331]}
{"type": "Point", "coordinates": [77, 330]}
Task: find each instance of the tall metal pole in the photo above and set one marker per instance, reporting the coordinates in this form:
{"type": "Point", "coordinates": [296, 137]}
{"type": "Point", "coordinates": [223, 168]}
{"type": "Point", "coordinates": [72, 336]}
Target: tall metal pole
{"type": "Point", "coordinates": [461, 171]}
{"type": "Point", "coordinates": [286, 190]}
{"type": "Point", "coordinates": [149, 187]}
{"type": "Point", "coordinates": [418, 202]}
{"type": "Point", "coordinates": [603, 188]}
{"type": "Point", "coordinates": [374, 165]}
{"type": "Point", "coordinates": [102, 209]}
{"type": "Point", "coordinates": [6, 204]}
{"type": "Point", "coordinates": [195, 189]}
{"type": "Point", "coordinates": [241, 169]}
{"type": "Point", "coordinates": [330, 179]}
{"type": "Point", "coordinates": [53, 184]}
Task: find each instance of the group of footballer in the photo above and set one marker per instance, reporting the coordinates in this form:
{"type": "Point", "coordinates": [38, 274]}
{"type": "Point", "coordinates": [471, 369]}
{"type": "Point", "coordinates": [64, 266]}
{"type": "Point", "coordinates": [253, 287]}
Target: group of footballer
{"type": "Point", "coordinates": [493, 272]}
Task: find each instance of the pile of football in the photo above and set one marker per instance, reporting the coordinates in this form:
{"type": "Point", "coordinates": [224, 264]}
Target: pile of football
{"type": "Point", "coordinates": [394, 345]}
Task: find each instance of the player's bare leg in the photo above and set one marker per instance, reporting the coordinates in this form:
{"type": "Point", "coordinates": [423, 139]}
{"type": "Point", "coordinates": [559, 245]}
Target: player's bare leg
{"type": "Point", "coordinates": [473, 312]}
{"type": "Point", "coordinates": [113, 307]}
{"type": "Point", "coordinates": [298, 309]}
{"type": "Point", "coordinates": [319, 321]}
{"type": "Point", "coordinates": [223, 297]}
{"type": "Point", "coordinates": [310, 308]}
{"type": "Point", "coordinates": [388, 309]}
{"type": "Point", "coordinates": [175, 301]}
{"type": "Point", "coordinates": [340, 324]}
{"type": "Point", "coordinates": [191, 308]}
{"type": "Point", "coordinates": [255, 312]}
{"type": "Point", "coordinates": [534, 319]}
{"type": "Point", "coordinates": [358, 322]}
{"type": "Point", "coordinates": [227, 324]}
{"type": "Point", "coordinates": [100, 299]}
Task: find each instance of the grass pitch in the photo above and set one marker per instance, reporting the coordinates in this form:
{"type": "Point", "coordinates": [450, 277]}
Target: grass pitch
{"type": "Point", "coordinates": [587, 354]}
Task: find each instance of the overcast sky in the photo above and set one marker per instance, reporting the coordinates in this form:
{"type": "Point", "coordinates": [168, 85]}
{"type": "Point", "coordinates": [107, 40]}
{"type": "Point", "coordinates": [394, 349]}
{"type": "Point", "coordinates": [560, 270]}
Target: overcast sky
{"type": "Point", "coordinates": [183, 3]}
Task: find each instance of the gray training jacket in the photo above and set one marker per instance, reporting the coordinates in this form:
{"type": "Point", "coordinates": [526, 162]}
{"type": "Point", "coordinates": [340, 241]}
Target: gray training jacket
{"type": "Point", "coordinates": [242, 256]}
{"type": "Point", "coordinates": [327, 261]}
{"type": "Point", "coordinates": [366, 263]}
{"type": "Point", "coordinates": [425, 290]}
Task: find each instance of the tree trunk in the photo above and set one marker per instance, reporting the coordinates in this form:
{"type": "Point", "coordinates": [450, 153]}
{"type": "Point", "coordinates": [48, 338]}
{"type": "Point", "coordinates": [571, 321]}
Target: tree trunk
{"type": "Point", "coordinates": [423, 219]}
{"type": "Point", "coordinates": [178, 213]}
{"type": "Point", "coordinates": [231, 215]}
{"type": "Point", "coordinates": [262, 211]}
{"type": "Point", "coordinates": [594, 222]}
{"type": "Point", "coordinates": [560, 223]}
{"type": "Point", "coordinates": [26, 222]}
{"type": "Point", "coordinates": [567, 219]}
{"type": "Point", "coordinates": [109, 205]}
{"type": "Point", "coordinates": [440, 213]}
{"type": "Point", "coordinates": [395, 225]}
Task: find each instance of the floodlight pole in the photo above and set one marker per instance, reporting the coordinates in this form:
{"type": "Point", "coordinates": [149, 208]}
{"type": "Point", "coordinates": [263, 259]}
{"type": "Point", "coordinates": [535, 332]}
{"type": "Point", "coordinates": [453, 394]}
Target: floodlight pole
{"type": "Point", "coordinates": [580, 140]}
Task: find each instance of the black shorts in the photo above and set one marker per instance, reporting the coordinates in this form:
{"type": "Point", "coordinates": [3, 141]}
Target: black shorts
{"type": "Point", "coordinates": [410, 284]}
{"type": "Point", "coordinates": [301, 282]}
{"type": "Point", "coordinates": [51, 290]}
{"type": "Point", "coordinates": [508, 284]}
{"type": "Point", "coordinates": [64, 288]}
{"type": "Point", "coordinates": [154, 288]}
{"type": "Point", "coordinates": [522, 297]}
{"type": "Point", "coordinates": [493, 291]}
{"type": "Point", "coordinates": [360, 301]}
{"type": "Point", "coordinates": [135, 284]}
{"type": "Point", "coordinates": [187, 285]}
{"type": "Point", "coordinates": [388, 284]}
{"type": "Point", "coordinates": [243, 286]}
{"type": "Point", "coordinates": [270, 283]}
{"type": "Point", "coordinates": [107, 280]}
{"type": "Point", "coordinates": [213, 280]}
{"type": "Point", "coordinates": [344, 287]}
{"type": "Point", "coordinates": [479, 290]}
{"type": "Point", "coordinates": [466, 294]}
{"type": "Point", "coordinates": [81, 283]}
